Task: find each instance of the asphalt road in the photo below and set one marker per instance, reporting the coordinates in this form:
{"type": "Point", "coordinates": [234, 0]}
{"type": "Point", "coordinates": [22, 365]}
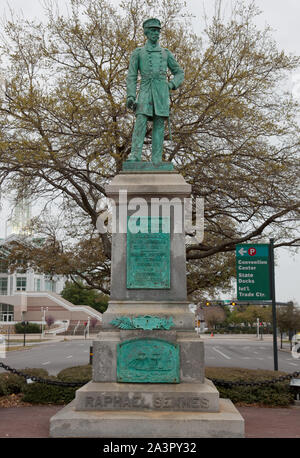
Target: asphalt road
{"type": "Point", "coordinates": [220, 352]}
{"type": "Point", "coordinates": [248, 354]}
{"type": "Point", "coordinates": [52, 356]}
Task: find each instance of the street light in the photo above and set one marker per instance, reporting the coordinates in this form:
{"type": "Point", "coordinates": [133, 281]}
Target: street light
{"type": "Point", "coordinates": [24, 323]}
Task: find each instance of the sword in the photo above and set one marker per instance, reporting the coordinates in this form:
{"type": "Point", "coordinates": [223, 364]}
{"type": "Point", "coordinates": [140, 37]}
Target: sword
{"type": "Point", "coordinates": [169, 126]}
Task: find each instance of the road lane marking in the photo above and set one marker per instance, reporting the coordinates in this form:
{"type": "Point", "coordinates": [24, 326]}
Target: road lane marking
{"type": "Point", "coordinates": [221, 353]}
{"type": "Point", "coordinates": [47, 362]}
{"type": "Point", "coordinates": [70, 356]}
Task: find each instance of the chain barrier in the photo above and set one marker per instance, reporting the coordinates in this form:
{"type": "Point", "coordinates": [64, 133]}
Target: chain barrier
{"type": "Point", "coordinates": [282, 378]}
{"type": "Point", "coordinates": [219, 382]}
{"type": "Point", "coordinates": [34, 378]}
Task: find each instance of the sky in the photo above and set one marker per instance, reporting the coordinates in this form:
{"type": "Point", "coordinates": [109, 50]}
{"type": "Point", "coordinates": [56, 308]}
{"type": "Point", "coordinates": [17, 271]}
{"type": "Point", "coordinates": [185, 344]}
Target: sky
{"type": "Point", "coordinates": [283, 17]}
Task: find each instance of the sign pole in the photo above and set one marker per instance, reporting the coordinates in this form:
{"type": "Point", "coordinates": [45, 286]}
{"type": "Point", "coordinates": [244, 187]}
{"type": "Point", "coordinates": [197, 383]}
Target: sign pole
{"type": "Point", "coordinates": [272, 284]}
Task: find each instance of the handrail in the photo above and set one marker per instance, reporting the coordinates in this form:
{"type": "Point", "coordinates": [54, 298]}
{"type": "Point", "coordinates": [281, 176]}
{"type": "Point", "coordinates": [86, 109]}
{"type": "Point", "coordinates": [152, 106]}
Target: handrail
{"type": "Point", "coordinates": [76, 327]}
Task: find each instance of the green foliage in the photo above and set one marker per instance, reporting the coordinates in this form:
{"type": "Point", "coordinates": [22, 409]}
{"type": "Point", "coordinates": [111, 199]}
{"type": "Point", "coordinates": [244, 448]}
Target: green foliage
{"type": "Point", "coordinates": [235, 329]}
{"type": "Point", "coordinates": [79, 295]}
{"type": "Point", "coordinates": [247, 315]}
{"type": "Point", "coordinates": [65, 129]}
{"type": "Point", "coordinates": [288, 318]}
{"type": "Point", "coordinates": [40, 393]}
{"type": "Point", "coordinates": [76, 374]}
{"type": "Point", "coordinates": [30, 328]}
{"type": "Point", "coordinates": [276, 394]}
{"type": "Point", "coordinates": [13, 384]}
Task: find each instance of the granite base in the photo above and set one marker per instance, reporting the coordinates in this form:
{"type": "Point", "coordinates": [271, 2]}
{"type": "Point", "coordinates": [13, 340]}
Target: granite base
{"type": "Point", "coordinates": [227, 423]}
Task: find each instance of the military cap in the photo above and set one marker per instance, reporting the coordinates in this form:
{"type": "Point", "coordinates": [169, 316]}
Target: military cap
{"type": "Point", "coordinates": [153, 22]}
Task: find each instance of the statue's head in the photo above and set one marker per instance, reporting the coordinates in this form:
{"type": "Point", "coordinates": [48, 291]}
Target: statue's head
{"type": "Point", "coordinates": [152, 28]}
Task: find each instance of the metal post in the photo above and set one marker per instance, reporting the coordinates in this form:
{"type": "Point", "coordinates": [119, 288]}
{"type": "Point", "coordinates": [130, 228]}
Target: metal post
{"type": "Point", "coordinates": [272, 286]}
{"type": "Point", "coordinates": [24, 337]}
{"type": "Point", "coordinates": [8, 334]}
{"type": "Point", "coordinates": [198, 321]}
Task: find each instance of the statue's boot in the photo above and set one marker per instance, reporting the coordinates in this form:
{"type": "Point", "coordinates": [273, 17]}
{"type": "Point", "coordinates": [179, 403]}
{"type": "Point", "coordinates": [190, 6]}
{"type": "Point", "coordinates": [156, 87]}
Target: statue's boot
{"type": "Point", "coordinates": [138, 138]}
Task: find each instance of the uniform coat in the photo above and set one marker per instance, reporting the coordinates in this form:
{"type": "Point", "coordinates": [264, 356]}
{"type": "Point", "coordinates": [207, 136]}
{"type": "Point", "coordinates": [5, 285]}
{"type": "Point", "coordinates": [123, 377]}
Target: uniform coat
{"type": "Point", "coordinates": [152, 62]}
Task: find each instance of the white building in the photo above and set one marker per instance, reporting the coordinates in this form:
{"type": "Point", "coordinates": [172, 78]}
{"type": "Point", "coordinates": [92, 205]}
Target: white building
{"type": "Point", "coordinates": [26, 295]}
{"type": "Point", "coordinates": [22, 281]}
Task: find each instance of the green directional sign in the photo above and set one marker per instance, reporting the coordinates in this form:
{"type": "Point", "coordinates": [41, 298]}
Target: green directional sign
{"type": "Point", "coordinates": [253, 272]}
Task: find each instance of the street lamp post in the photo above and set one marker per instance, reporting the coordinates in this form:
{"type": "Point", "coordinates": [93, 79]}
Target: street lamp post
{"type": "Point", "coordinates": [24, 323]}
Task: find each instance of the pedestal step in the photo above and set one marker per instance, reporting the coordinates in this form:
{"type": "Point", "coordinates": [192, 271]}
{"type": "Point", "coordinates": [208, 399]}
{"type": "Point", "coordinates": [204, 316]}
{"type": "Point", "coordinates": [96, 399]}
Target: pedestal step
{"type": "Point", "coordinates": [227, 423]}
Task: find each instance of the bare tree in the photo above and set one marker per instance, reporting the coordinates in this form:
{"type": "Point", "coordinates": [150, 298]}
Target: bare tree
{"type": "Point", "coordinates": [65, 130]}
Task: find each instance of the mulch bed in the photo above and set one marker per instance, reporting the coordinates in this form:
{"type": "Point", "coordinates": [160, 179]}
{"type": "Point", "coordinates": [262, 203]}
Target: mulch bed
{"type": "Point", "coordinates": [13, 400]}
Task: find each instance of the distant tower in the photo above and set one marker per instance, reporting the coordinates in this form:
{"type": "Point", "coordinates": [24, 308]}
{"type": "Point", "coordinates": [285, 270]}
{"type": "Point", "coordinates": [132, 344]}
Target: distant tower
{"type": "Point", "coordinates": [20, 219]}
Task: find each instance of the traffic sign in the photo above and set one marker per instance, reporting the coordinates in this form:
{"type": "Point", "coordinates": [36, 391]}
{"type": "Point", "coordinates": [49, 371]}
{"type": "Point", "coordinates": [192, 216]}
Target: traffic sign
{"type": "Point", "coordinates": [253, 272]}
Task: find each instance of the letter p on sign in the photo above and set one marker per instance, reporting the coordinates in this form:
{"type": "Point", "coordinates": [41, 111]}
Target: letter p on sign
{"type": "Point", "coordinates": [252, 251]}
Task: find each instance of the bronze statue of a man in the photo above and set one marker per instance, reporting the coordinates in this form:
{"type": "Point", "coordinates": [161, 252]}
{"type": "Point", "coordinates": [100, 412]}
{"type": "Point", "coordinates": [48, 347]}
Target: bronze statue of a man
{"type": "Point", "coordinates": [153, 102]}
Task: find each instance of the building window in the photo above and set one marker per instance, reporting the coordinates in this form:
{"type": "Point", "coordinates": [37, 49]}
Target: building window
{"type": "Point", "coordinates": [6, 312]}
{"type": "Point", "coordinates": [3, 266]}
{"type": "Point", "coordinates": [21, 284]}
{"type": "Point", "coordinates": [3, 286]}
{"type": "Point", "coordinates": [21, 269]}
{"type": "Point", "coordinates": [38, 284]}
{"type": "Point", "coordinates": [49, 285]}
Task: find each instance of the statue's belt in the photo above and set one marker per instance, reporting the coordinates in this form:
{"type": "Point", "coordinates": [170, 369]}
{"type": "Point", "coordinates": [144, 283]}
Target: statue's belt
{"type": "Point", "coordinates": [154, 76]}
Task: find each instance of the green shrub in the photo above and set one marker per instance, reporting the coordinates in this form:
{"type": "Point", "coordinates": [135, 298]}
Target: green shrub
{"type": "Point", "coordinates": [276, 394]}
{"type": "Point", "coordinates": [30, 328]}
{"type": "Point", "coordinates": [76, 374]}
{"type": "Point", "coordinates": [13, 384]}
{"type": "Point", "coordinates": [41, 393]}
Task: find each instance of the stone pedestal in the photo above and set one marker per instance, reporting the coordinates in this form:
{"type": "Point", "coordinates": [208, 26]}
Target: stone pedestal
{"type": "Point", "coordinates": [148, 363]}
{"type": "Point", "coordinates": [69, 422]}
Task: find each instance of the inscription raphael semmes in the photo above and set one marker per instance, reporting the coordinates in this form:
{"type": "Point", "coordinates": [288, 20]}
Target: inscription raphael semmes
{"type": "Point", "coordinates": [107, 402]}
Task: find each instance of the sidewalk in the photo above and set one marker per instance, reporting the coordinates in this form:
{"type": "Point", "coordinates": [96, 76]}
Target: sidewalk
{"type": "Point", "coordinates": [33, 422]}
